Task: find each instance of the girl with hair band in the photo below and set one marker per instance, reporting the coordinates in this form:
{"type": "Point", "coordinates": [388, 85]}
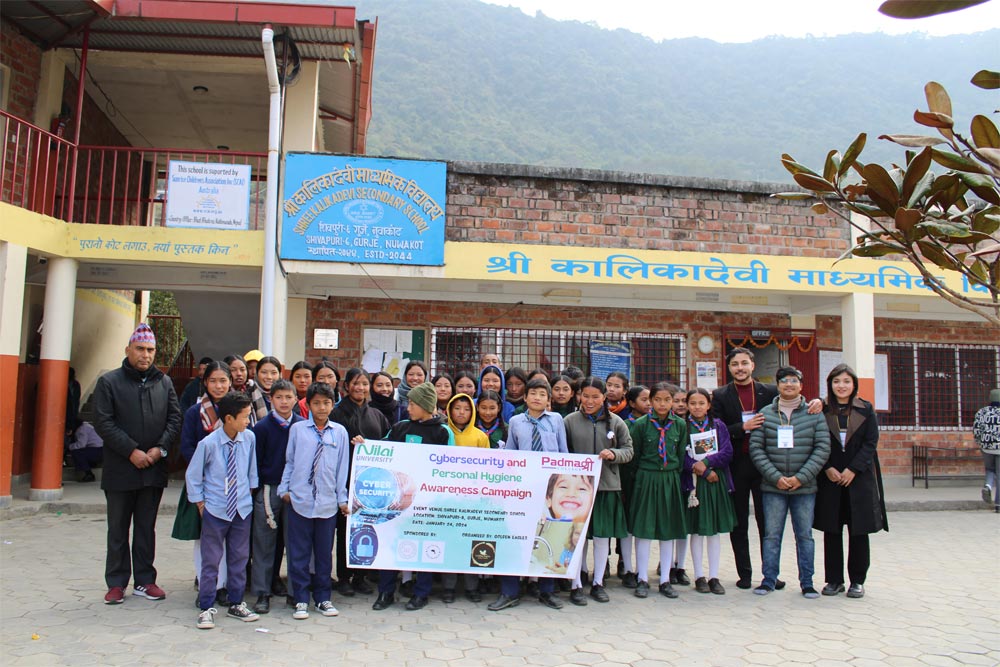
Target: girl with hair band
{"type": "Point", "coordinates": [242, 383]}
{"type": "Point", "coordinates": [678, 576]}
{"type": "Point", "coordinates": [444, 387]}
{"type": "Point", "coordinates": [563, 396]}
{"type": "Point", "coordinates": [637, 399]}
{"type": "Point", "coordinates": [200, 420]}
{"type": "Point", "coordinates": [657, 505]}
{"type": "Point", "coordinates": [710, 512]}
{"type": "Point", "coordinates": [489, 419]}
{"type": "Point", "coordinates": [268, 370]}
{"type": "Point", "coordinates": [517, 382]}
{"type": "Point", "coordinates": [362, 422]}
{"type": "Point", "coordinates": [465, 383]}
{"type": "Point", "coordinates": [596, 430]}
{"type": "Point", "coordinates": [324, 373]}
{"type": "Point", "coordinates": [617, 384]}
{"type": "Point", "coordinates": [492, 378]}
{"type": "Point", "coordinates": [414, 374]}
{"type": "Point", "coordinates": [382, 398]}
{"type": "Point", "coordinates": [301, 377]}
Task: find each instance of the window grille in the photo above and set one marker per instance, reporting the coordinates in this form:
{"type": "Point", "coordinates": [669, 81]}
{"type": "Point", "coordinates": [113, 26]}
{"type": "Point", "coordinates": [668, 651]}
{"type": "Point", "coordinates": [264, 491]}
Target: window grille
{"type": "Point", "coordinates": [938, 387]}
{"type": "Point", "coordinates": [656, 357]}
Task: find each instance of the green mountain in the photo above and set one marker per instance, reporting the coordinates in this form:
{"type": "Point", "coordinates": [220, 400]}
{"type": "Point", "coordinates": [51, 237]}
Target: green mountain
{"type": "Point", "coordinates": [463, 80]}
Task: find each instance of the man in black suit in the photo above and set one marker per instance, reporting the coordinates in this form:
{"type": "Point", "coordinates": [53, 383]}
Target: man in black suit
{"type": "Point", "coordinates": [738, 405]}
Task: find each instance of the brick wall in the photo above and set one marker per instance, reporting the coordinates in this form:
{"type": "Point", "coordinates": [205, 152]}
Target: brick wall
{"type": "Point", "coordinates": [25, 61]}
{"type": "Point", "coordinates": [522, 204]}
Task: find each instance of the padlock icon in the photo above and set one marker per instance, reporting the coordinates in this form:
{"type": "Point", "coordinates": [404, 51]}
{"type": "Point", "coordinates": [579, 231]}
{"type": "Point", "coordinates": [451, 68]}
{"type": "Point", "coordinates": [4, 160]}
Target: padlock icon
{"type": "Point", "coordinates": [365, 547]}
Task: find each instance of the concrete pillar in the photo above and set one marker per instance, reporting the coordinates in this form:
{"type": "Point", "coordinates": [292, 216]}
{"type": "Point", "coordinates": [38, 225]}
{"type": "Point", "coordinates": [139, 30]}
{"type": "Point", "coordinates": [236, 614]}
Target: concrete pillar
{"type": "Point", "coordinates": [13, 260]}
{"type": "Point", "coordinates": [48, 104]}
{"type": "Point", "coordinates": [295, 342]}
{"type": "Point", "coordinates": [53, 380]}
{"type": "Point", "coordinates": [857, 313]}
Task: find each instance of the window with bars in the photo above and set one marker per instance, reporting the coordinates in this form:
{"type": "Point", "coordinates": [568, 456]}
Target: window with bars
{"type": "Point", "coordinates": [655, 357]}
{"type": "Point", "coordinates": [938, 387]}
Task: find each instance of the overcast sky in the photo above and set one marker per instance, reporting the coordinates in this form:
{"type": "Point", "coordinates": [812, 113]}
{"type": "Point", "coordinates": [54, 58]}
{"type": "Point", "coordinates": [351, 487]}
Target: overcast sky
{"type": "Point", "coordinates": [747, 20]}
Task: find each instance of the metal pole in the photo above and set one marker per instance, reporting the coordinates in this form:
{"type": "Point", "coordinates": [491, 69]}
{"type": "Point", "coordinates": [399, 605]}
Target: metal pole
{"type": "Point", "coordinates": [78, 121]}
{"type": "Point", "coordinates": [271, 202]}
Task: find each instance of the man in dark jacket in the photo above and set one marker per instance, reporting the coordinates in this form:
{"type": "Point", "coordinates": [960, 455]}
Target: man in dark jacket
{"type": "Point", "coordinates": [138, 417]}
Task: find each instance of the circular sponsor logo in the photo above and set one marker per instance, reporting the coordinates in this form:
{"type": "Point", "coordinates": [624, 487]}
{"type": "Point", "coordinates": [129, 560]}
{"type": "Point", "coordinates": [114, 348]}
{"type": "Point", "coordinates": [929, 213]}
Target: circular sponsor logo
{"type": "Point", "coordinates": [364, 545]}
{"type": "Point", "coordinates": [375, 488]}
{"type": "Point", "coordinates": [364, 212]}
{"type": "Point", "coordinates": [407, 550]}
{"type": "Point", "coordinates": [484, 554]}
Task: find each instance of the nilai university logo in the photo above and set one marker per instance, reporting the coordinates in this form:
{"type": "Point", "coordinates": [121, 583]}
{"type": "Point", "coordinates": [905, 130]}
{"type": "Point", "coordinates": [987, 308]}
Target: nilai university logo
{"type": "Point", "coordinates": [375, 449]}
{"type": "Point", "coordinates": [484, 554]}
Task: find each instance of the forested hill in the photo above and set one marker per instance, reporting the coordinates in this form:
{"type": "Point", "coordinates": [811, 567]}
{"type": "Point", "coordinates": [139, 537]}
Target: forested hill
{"type": "Point", "coordinates": [463, 80]}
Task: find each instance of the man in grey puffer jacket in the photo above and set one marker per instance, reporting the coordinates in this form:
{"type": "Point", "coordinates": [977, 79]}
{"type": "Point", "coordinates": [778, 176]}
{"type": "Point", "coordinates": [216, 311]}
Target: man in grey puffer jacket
{"type": "Point", "coordinates": [789, 450]}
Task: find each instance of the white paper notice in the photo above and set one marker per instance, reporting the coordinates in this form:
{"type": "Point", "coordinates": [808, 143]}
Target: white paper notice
{"type": "Point", "coordinates": [404, 340]}
{"type": "Point", "coordinates": [393, 364]}
{"type": "Point", "coordinates": [372, 361]}
{"type": "Point", "coordinates": [708, 375]}
{"type": "Point", "coordinates": [370, 339]}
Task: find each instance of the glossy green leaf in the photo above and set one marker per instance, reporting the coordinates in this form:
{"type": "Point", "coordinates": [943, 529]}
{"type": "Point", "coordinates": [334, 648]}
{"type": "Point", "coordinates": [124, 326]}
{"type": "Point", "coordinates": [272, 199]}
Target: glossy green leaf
{"type": "Point", "coordinates": [831, 166]}
{"type": "Point", "coordinates": [949, 229]}
{"type": "Point", "coordinates": [986, 79]}
{"type": "Point", "coordinates": [881, 184]}
{"type": "Point", "coordinates": [876, 250]}
{"type": "Point", "coordinates": [918, 9]}
{"type": "Point", "coordinates": [984, 187]}
{"type": "Point", "coordinates": [956, 161]}
{"type": "Point", "coordinates": [985, 133]}
{"type": "Point", "coordinates": [907, 218]}
{"type": "Point", "coordinates": [794, 167]}
{"type": "Point", "coordinates": [932, 119]}
{"type": "Point", "coordinates": [814, 183]}
{"type": "Point", "coordinates": [985, 222]}
{"type": "Point", "coordinates": [936, 255]}
{"type": "Point", "coordinates": [852, 153]}
{"type": "Point", "coordinates": [915, 171]}
{"type": "Point", "coordinates": [912, 140]}
{"type": "Point", "coordinates": [793, 196]}
{"type": "Point", "coordinates": [991, 155]}
{"type": "Point", "coordinates": [920, 190]}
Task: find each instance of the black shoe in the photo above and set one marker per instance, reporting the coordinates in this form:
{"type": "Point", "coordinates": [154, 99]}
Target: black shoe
{"type": "Point", "coordinates": [833, 589]}
{"type": "Point", "coordinates": [361, 586]}
{"type": "Point", "coordinates": [642, 589]}
{"type": "Point", "coordinates": [88, 477]}
{"type": "Point", "coordinates": [278, 588]}
{"type": "Point", "coordinates": [406, 589]}
{"type": "Point", "coordinates": [856, 591]}
{"type": "Point", "coordinates": [621, 568]}
{"type": "Point", "coordinates": [599, 594]}
{"type": "Point", "coordinates": [263, 604]}
{"type": "Point", "coordinates": [416, 602]}
{"type": "Point", "coordinates": [345, 588]}
{"type": "Point", "coordinates": [715, 586]}
{"type": "Point", "coordinates": [673, 576]}
{"type": "Point", "coordinates": [682, 578]}
{"type": "Point", "coordinates": [778, 584]}
{"type": "Point", "coordinates": [550, 600]}
{"type": "Point", "coordinates": [701, 585]}
{"type": "Point", "coordinates": [474, 596]}
{"type": "Point", "coordinates": [744, 583]}
{"type": "Point", "coordinates": [810, 593]}
{"type": "Point", "coordinates": [629, 580]}
{"type": "Point", "coordinates": [666, 590]}
{"type": "Point", "coordinates": [503, 602]}
{"type": "Point", "coordinates": [577, 597]}
{"type": "Point", "coordinates": [448, 595]}
{"type": "Point", "coordinates": [384, 601]}
{"type": "Point", "coordinates": [532, 589]}
{"type": "Point", "coordinates": [565, 585]}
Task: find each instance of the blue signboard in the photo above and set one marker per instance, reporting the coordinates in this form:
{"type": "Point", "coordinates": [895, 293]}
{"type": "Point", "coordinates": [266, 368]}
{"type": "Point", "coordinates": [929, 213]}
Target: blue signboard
{"type": "Point", "coordinates": [607, 357]}
{"type": "Point", "coordinates": [338, 208]}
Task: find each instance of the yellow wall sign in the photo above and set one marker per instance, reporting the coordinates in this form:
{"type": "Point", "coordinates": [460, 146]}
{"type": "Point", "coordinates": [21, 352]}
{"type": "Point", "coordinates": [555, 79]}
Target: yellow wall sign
{"type": "Point", "coordinates": [614, 266]}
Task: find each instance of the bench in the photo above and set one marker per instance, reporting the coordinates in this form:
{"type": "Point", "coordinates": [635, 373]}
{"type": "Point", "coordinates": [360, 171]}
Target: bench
{"type": "Point", "coordinates": [924, 457]}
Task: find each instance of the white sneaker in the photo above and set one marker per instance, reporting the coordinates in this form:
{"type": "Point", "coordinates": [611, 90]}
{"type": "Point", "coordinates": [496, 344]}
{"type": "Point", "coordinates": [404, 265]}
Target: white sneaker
{"type": "Point", "coordinates": [327, 608]}
{"type": "Point", "coordinates": [206, 619]}
{"type": "Point", "coordinates": [242, 612]}
{"type": "Point", "coordinates": [301, 611]}
{"type": "Point", "coordinates": [987, 494]}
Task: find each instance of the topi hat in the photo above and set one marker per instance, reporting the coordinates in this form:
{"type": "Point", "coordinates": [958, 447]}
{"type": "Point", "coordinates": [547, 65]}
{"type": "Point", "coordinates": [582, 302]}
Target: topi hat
{"type": "Point", "coordinates": [142, 334]}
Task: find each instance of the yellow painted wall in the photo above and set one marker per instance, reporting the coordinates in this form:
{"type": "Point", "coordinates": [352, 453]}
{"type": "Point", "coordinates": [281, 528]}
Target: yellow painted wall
{"type": "Point", "coordinates": [103, 320]}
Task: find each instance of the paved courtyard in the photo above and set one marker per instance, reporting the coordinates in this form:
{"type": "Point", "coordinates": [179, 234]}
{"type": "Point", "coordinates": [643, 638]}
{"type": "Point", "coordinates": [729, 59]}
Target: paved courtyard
{"type": "Point", "coordinates": [933, 599]}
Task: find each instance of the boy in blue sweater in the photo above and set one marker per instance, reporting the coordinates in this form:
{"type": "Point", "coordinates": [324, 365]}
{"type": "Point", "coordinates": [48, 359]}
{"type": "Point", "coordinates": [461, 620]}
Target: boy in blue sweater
{"type": "Point", "coordinates": [268, 509]}
{"type": "Point", "coordinates": [314, 484]}
{"type": "Point", "coordinates": [219, 479]}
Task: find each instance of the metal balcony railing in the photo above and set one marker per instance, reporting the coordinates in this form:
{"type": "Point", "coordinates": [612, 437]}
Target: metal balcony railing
{"type": "Point", "coordinates": [109, 185]}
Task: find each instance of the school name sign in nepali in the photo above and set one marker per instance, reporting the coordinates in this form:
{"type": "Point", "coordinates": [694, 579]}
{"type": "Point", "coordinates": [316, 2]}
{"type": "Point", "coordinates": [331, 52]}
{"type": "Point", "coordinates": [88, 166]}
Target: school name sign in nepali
{"type": "Point", "coordinates": [356, 209]}
{"type": "Point", "coordinates": [432, 508]}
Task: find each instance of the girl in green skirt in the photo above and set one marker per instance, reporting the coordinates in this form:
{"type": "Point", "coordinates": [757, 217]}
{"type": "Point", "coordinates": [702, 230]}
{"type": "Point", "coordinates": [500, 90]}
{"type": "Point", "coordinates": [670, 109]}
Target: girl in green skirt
{"type": "Point", "coordinates": [656, 506]}
{"type": "Point", "coordinates": [707, 480]}
{"type": "Point", "coordinates": [594, 429]}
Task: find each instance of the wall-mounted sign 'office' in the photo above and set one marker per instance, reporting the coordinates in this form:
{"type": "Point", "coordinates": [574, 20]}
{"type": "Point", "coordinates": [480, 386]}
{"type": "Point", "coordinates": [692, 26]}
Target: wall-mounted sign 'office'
{"type": "Point", "coordinates": [208, 195]}
{"type": "Point", "coordinates": [357, 209]}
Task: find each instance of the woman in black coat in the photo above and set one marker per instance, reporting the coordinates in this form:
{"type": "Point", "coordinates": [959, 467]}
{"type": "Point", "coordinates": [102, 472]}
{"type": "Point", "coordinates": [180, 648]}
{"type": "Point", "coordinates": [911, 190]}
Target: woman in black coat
{"type": "Point", "coordinates": [850, 489]}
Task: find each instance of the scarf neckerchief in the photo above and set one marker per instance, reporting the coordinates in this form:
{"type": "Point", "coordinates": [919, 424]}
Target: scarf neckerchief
{"type": "Point", "coordinates": [661, 446]}
{"type": "Point", "coordinates": [209, 417]}
{"type": "Point", "coordinates": [488, 431]}
{"type": "Point", "coordinates": [701, 427]}
{"type": "Point", "coordinates": [258, 406]}
{"type": "Point", "coordinates": [601, 415]}
{"type": "Point", "coordinates": [619, 406]}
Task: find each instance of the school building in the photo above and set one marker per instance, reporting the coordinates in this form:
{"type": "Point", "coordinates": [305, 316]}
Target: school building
{"type": "Point", "coordinates": [124, 185]}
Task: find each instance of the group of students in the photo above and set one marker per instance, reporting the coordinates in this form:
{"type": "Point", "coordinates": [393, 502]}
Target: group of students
{"type": "Point", "coordinates": [269, 461]}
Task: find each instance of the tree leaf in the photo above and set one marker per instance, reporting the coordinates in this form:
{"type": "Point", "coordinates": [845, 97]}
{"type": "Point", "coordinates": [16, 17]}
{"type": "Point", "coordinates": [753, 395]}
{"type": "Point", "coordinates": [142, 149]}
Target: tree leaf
{"type": "Point", "coordinates": [933, 119]}
{"type": "Point", "coordinates": [819, 208]}
{"type": "Point", "coordinates": [915, 171]}
{"type": "Point", "coordinates": [992, 249]}
{"type": "Point", "coordinates": [985, 133]}
{"type": "Point", "coordinates": [986, 222]}
{"type": "Point", "coordinates": [852, 153]}
{"type": "Point", "coordinates": [952, 230]}
{"type": "Point", "coordinates": [881, 183]}
{"type": "Point", "coordinates": [913, 140]}
{"type": "Point", "coordinates": [984, 187]}
{"type": "Point", "coordinates": [991, 155]}
{"type": "Point", "coordinates": [937, 98]}
{"type": "Point", "coordinates": [794, 167]}
{"type": "Point", "coordinates": [907, 219]}
{"type": "Point", "coordinates": [956, 161]}
{"type": "Point", "coordinates": [793, 196]}
{"type": "Point", "coordinates": [876, 250]}
{"type": "Point", "coordinates": [831, 167]}
{"type": "Point", "coordinates": [936, 254]}
{"type": "Point", "coordinates": [814, 183]}
{"type": "Point", "coordinates": [920, 190]}
{"type": "Point", "coordinates": [986, 79]}
{"type": "Point", "coordinates": [918, 9]}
